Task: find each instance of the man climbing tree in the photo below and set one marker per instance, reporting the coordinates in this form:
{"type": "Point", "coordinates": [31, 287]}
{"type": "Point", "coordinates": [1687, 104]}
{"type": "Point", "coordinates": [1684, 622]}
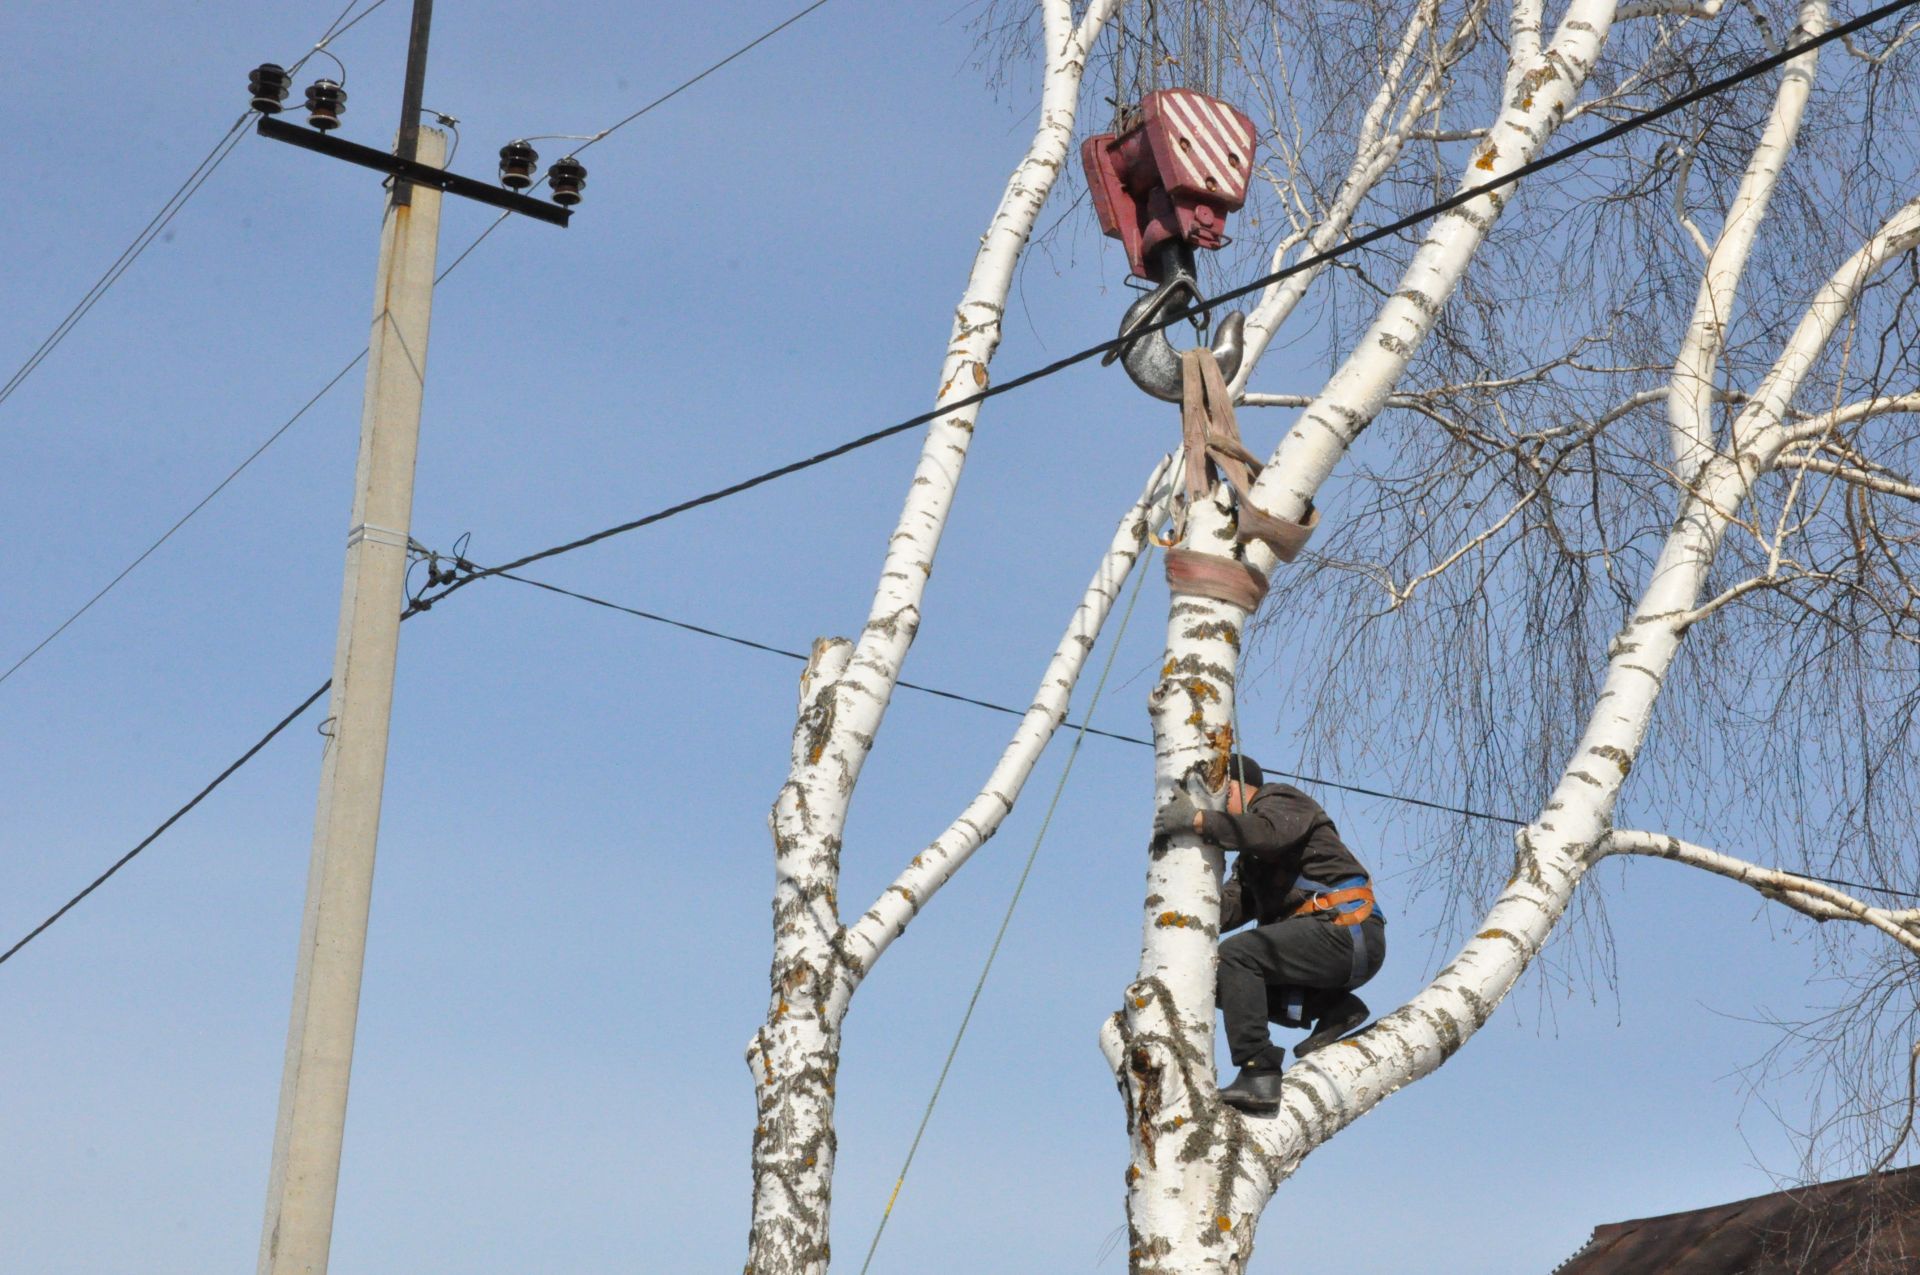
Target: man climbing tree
{"type": "Point", "coordinates": [1318, 935]}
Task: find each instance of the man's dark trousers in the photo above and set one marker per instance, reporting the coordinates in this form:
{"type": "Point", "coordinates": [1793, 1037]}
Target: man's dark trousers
{"type": "Point", "coordinates": [1259, 966]}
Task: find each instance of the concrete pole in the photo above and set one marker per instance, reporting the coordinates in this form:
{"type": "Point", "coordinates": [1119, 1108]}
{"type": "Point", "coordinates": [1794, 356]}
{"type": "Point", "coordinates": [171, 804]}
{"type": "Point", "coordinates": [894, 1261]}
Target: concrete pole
{"type": "Point", "coordinates": [333, 933]}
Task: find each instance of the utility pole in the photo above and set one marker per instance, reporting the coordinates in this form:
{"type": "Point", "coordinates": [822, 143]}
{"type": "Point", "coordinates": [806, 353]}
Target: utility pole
{"type": "Point", "coordinates": [333, 932]}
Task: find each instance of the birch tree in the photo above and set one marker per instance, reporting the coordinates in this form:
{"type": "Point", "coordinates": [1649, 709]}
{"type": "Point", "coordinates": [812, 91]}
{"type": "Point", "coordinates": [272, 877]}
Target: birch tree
{"type": "Point", "coordinates": [1657, 397]}
{"type": "Point", "coordinates": [1520, 370]}
{"type": "Point", "coordinates": [820, 959]}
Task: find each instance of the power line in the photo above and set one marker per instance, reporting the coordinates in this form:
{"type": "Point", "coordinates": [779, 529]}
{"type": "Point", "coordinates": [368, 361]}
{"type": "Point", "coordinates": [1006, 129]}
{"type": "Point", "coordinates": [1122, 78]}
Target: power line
{"type": "Point", "coordinates": [684, 85]}
{"type": "Point", "coordinates": [160, 220]}
{"type": "Point", "coordinates": [233, 473]}
{"type": "Point", "coordinates": [1146, 329]}
{"type": "Point", "coordinates": [750, 644]}
{"type": "Point", "coordinates": [170, 820]}
{"type": "Point", "coordinates": [336, 31]}
{"type": "Point", "coordinates": [333, 31]}
{"type": "Point", "coordinates": [131, 253]}
{"type": "Point", "coordinates": [1084, 727]}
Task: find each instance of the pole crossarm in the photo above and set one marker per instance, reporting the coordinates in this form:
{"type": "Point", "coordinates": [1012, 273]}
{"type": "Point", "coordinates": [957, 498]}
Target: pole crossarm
{"type": "Point", "coordinates": [410, 170]}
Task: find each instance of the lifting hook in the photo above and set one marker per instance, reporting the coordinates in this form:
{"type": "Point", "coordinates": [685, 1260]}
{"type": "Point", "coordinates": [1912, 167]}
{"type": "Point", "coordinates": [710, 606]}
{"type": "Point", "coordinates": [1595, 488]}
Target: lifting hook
{"type": "Point", "coordinates": [1150, 359]}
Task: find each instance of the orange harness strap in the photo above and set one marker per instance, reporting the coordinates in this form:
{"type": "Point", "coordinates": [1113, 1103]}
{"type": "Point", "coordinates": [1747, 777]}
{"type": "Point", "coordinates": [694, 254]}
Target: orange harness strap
{"type": "Point", "coordinates": [1332, 901]}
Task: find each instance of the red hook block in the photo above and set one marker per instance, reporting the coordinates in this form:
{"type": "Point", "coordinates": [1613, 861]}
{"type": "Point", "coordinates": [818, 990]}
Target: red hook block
{"type": "Point", "coordinates": [1173, 175]}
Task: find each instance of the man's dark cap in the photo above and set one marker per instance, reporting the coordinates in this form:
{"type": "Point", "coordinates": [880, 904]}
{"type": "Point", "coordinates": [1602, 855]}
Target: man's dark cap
{"type": "Point", "coordinates": [1246, 770]}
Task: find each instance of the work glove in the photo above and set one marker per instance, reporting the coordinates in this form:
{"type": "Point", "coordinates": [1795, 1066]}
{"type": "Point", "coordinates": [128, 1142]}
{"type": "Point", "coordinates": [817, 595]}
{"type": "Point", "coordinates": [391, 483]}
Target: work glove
{"type": "Point", "coordinates": [1175, 816]}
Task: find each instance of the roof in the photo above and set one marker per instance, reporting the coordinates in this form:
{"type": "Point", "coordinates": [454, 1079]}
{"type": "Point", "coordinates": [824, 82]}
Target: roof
{"type": "Point", "coordinates": [1868, 1225]}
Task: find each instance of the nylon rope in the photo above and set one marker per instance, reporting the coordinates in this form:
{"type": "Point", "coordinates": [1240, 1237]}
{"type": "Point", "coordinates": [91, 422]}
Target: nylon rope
{"type": "Point", "coordinates": [1066, 772]}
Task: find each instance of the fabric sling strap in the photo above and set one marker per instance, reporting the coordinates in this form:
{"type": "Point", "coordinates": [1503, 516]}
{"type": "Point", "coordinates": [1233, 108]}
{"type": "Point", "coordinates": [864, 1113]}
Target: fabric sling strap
{"type": "Point", "coordinates": [1351, 901]}
{"type": "Point", "coordinates": [1210, 437]}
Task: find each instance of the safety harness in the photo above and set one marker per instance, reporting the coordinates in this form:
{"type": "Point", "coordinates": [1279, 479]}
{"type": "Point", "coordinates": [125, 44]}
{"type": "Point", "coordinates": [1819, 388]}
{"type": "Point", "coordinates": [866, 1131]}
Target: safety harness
{"type": "Point", "coordinates": [1351, 902]}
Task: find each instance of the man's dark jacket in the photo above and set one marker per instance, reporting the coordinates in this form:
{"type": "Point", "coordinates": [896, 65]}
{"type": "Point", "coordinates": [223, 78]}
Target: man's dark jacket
{"type": "Point", "coordinates": [1284, 835]}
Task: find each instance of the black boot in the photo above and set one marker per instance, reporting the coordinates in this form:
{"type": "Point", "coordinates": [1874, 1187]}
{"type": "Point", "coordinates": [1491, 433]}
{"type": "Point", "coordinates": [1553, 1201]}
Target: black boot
{"type": "Point", "coordinates": [1256, 1091]}
{"type": "Point", "coordinates": [1332, 1021]}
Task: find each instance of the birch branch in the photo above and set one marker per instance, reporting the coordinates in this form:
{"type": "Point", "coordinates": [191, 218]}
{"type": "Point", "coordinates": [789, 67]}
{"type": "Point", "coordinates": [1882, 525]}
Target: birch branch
{"type": "Point", "coordinates": [1887, 484]}
{"type": "Point", "coordinates": [1816, 899]}
{"type": "Point", "coordinates": [1690, 403]}
{"type": "Point", "coordinates": [1375, 151]}
{"type": "Point", "coordinates": [923, 876]}
{"type": "Point", "coordinates": [894, 619]}
{"type": "Point", "coordinates": [1814, 427]}
{"type": "Point", "coordinates": [1668, 9]}
{"type": "Point", "coordinates": [1400, 594]}
{"type": "Point", "coordinates": [1893, 46]}
{"type": "Point", "coordinates": [1761, 428]}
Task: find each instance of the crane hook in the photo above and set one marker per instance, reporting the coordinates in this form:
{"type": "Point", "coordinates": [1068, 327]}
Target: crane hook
{"type": "Point", "coordinates": [1152, 361]}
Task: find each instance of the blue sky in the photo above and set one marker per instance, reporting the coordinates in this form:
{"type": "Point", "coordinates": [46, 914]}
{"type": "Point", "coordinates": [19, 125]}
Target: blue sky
{"type": "Point", "coordinates": [569, 937]}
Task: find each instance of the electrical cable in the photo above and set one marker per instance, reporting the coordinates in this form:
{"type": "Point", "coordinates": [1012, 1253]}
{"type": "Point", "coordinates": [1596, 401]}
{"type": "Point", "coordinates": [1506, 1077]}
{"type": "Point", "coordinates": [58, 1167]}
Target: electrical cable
{"type": "Point", "coordinates": [232, 474]}
{"type": "Point", "coordinates": [1066, 771]}
{"type": "Point", "coordinates": [170, 820]}
{"type": "Point", "coordinates": [1306, 263]}
{"type": "Point", "coordinates": [131, 253]}
{"type": "Point", "coordinates": [1316, 781]}
{"type": "Point", "coordinates": [160, 220]}
{"type": "Point", "coordinates": [334, 33]}
{"type": "Point", "coordinates": [1085, 727]}
{"type": "Point", "coordinates": [687, 84]}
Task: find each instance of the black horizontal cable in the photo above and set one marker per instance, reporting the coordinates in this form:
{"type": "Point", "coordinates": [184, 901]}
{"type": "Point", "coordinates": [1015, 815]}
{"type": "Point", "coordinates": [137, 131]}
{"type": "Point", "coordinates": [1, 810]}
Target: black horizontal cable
{"type": "Point", "coordinates": [1306, 263]}
{"type": "Point", "coordinates": [750, 644]}
{"type": "Point", "coordinates": [1315, 780]}
{"type": "Point", "coordinates": [983, 703]}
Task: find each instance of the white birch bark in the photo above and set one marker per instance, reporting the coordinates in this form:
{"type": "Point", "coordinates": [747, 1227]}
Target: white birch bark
{"type": "Point", "coordinates": [1201, 1173]}
{"type": "Point", "coordinates": [794, 1057]}
{"type": "Point", "coordinates": [1690, 393]}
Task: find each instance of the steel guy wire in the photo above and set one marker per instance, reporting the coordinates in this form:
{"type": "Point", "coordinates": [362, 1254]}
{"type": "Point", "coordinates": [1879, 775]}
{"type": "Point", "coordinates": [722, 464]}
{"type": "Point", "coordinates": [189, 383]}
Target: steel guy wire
{"type": "Point", "coordinates": [168, 210]}
{"type": "Point", "coordinates": [1160, 325]}
{"type": "Point", "coordinates": [1046, 821]}
{"type": "Point", "coordinates": [232, 474]}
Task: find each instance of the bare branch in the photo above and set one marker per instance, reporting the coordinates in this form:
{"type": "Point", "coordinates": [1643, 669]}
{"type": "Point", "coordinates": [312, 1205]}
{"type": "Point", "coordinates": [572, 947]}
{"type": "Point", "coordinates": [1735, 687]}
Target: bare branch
{"type": "Point", "coordinates": [1816, 899]}
{"type": "Point", "coordinates": [923, 876]}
